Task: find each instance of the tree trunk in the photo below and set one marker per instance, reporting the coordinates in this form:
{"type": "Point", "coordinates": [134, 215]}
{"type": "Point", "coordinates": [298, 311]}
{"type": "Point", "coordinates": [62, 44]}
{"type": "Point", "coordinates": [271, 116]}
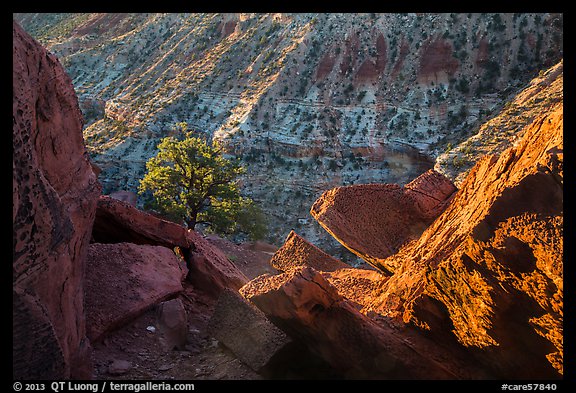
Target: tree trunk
{"type": "Point", "coordinates": [191, 222]}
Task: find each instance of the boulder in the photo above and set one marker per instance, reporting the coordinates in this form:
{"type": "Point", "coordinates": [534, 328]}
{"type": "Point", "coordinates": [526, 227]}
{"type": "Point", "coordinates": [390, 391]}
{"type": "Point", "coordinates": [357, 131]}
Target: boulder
{"type": "Point", "coordinates": [304, 304]}
{"type": "Point", "coordinates": [123, 280]}
{"type": "Point", "coordinates": [296, 251]}
{"type": "Point", "coordinates": [118, 221]}
{"type": "Point", "coordinates": [54, 195]}
{"type": "Point", "coordinates": [246, 331]}
{"type": "Point", "coordinates": [172, 324]}
{"type": "Point", "coordinates": [375, 220]}
{"type": "Point", "coordinates": [209, 268]}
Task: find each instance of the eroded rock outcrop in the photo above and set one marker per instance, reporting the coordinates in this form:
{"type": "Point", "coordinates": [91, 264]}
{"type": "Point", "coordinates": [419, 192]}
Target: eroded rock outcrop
{"type": "Point", "coordinates": [355, 284]}
{"type": "Point", "coordinates": [54, 194]}
{"type": "Point", "coordinates": [489, 269]}
{"type": "Point", "coordinates": [123, 280]}
{"type": "Point", "coordinates": [306, 306]}
{"type": "Point", "coordinates": [375, 220]}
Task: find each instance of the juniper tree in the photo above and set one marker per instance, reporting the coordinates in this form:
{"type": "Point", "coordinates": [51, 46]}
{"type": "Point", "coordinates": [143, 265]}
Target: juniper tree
{"type": "Point", "coordinates": [192, 182]}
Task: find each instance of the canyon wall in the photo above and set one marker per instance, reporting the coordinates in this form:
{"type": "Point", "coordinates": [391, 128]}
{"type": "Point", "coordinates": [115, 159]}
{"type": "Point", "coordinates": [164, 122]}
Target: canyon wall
{"type": "Point", "coordinates": [308, 101]}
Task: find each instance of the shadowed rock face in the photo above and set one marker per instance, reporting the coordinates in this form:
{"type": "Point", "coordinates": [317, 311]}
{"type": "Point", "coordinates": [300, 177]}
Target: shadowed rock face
{"type": "Point", "coordinates": [309, 308]}
{"type": "Point", "coordinates": [246, 331]}
{"type": "Point", "coordinates": [210, 270]}
{"type": "Point", "coordinates": [375, 220]}
{"type": "Point", "coordinates": [123, 280]}
{"type": "Point", "coordinates": [54, 194]}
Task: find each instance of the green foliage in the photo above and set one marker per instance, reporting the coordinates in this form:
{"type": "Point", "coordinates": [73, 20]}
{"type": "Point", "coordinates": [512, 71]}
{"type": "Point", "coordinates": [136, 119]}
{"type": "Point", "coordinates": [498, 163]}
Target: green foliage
{"type": "Point", "coordinates": [194, 183]}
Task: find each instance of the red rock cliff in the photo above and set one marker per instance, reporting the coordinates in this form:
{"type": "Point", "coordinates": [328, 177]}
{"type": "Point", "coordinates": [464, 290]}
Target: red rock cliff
{"type": "Point", "coordinates": [54, 194]}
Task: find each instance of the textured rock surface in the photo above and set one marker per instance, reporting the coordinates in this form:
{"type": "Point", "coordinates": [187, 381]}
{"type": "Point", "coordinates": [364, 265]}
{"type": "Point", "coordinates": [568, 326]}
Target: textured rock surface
{"type": "Point", "coordinates": [308, 308]}
{"type": "Point", "coordinates": [123, 280]}
{"type": "Point", "coordinates": [172, 324]}
{"type": "Point", "coordinates": [119, 221]}
{"type": "Point", "coordinates": [210, 269]}
{"type": "Point", "coordinates": [296, 251]}
{"type": "Point", "coordinates": [431, 193]}
{"type": "Point", "coordinates": [489, 269]}
{"type": "Point", "coordinates": [354, 284]}
{"type": "Point", "coordinates": [54, 194]}
{"type": "Point", "coordinates": [246, 331]}
{"type": "Point", "coordinates": [374, 220]}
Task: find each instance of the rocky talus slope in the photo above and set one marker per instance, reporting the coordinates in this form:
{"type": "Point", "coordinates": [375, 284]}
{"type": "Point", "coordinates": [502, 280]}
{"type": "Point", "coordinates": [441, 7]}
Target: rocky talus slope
{"type": "Point", "coordinates": [309, 101]}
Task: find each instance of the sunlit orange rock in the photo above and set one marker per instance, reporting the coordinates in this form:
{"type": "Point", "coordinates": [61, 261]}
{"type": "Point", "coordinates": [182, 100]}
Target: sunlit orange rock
{"type": "Point", "coordinates": [375, 220]}
{"type": "Point", "coordinates": [308, 308]}
{"type": "Point", "coordinates": [488, 271]}
{"type": "Point", "coordinates": [296, 251]}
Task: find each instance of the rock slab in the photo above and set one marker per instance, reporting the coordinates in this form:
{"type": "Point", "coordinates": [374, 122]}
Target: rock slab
{"type": "Point", "coordinates": [123, 280]}
{"type": "Point", "coordinates": [246, 331]}
{"type": "Point", "coordinates": [375, 220]}
{"type": "Point", "coordinates": [304, 304]}
{"type": "Point", "coordinates": [209, 268]}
